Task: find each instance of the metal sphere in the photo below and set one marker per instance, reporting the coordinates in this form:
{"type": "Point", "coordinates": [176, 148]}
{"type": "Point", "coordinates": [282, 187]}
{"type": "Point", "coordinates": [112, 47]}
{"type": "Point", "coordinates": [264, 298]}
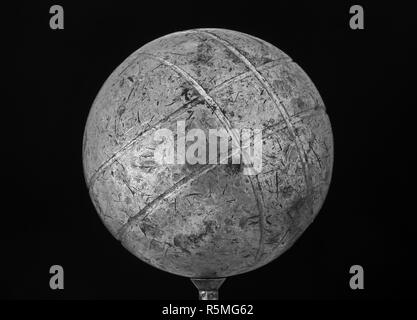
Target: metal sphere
{"type": "Point", "coordinates": [207, 220]}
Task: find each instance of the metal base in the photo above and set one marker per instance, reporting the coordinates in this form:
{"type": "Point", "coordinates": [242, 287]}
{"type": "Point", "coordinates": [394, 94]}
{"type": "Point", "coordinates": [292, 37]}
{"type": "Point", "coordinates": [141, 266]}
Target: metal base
{"type": "Point", "coordinates": [208, 289]}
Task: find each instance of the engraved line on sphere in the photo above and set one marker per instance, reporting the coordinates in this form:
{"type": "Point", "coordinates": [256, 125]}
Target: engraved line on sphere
{"type": "Point", "coordinates": [260, 205]}
{"type": "Point", "coordinates": [143, 213]}
{"type": "Point", "coordinates": [111, 159]}
{"type": "Point", "coordinates": [278, 103]}
{"type": "Point", "coordinates": [227, 125]}
{"type": "Point", "coordinates": [196, 174]}
{"type": "Point", "coordinates": [221, 86]}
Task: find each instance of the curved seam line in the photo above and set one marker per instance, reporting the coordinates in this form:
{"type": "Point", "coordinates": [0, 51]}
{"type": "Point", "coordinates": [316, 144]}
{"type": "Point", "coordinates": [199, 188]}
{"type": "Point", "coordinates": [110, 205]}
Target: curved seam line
{"type": "Point", "coordinates": [221, 86]}
{"type": "Point", "coordinates": [111, 159]}
{"type": "Point", "coordinates": [278, 103]}
{"type": "Point", "coordinates": [186, 180]}
{"type": "Point", "coordinates": [235, 141]}
{"type": "Point", "coordinates": [223, 120]}
{"type": "Point", "coordinates": [172, 190]}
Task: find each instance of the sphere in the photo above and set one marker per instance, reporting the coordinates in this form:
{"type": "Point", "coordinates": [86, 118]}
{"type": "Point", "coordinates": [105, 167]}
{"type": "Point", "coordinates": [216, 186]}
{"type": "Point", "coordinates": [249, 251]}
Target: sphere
{"type": "Point", "coordinates": [205, 219]}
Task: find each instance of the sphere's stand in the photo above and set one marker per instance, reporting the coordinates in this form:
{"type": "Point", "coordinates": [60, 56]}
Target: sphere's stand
{"type": "Point", "coordinates": [208, 289]}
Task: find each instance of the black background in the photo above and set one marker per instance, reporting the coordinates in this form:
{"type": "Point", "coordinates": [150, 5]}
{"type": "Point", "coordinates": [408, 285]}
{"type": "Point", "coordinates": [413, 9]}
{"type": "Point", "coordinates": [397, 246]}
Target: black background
{"type": "Point", "coordinates": [363, 77]}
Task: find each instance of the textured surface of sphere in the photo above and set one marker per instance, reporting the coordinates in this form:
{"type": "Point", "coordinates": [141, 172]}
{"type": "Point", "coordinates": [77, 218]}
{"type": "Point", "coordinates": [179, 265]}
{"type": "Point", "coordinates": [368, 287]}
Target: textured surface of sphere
{"type": "Point", "coordinates": [206, 220]}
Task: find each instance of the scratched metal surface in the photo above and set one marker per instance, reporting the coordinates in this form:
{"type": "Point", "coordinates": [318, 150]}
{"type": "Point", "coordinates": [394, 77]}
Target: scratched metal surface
{"type": "Point", "coordinates": [207, 220]}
